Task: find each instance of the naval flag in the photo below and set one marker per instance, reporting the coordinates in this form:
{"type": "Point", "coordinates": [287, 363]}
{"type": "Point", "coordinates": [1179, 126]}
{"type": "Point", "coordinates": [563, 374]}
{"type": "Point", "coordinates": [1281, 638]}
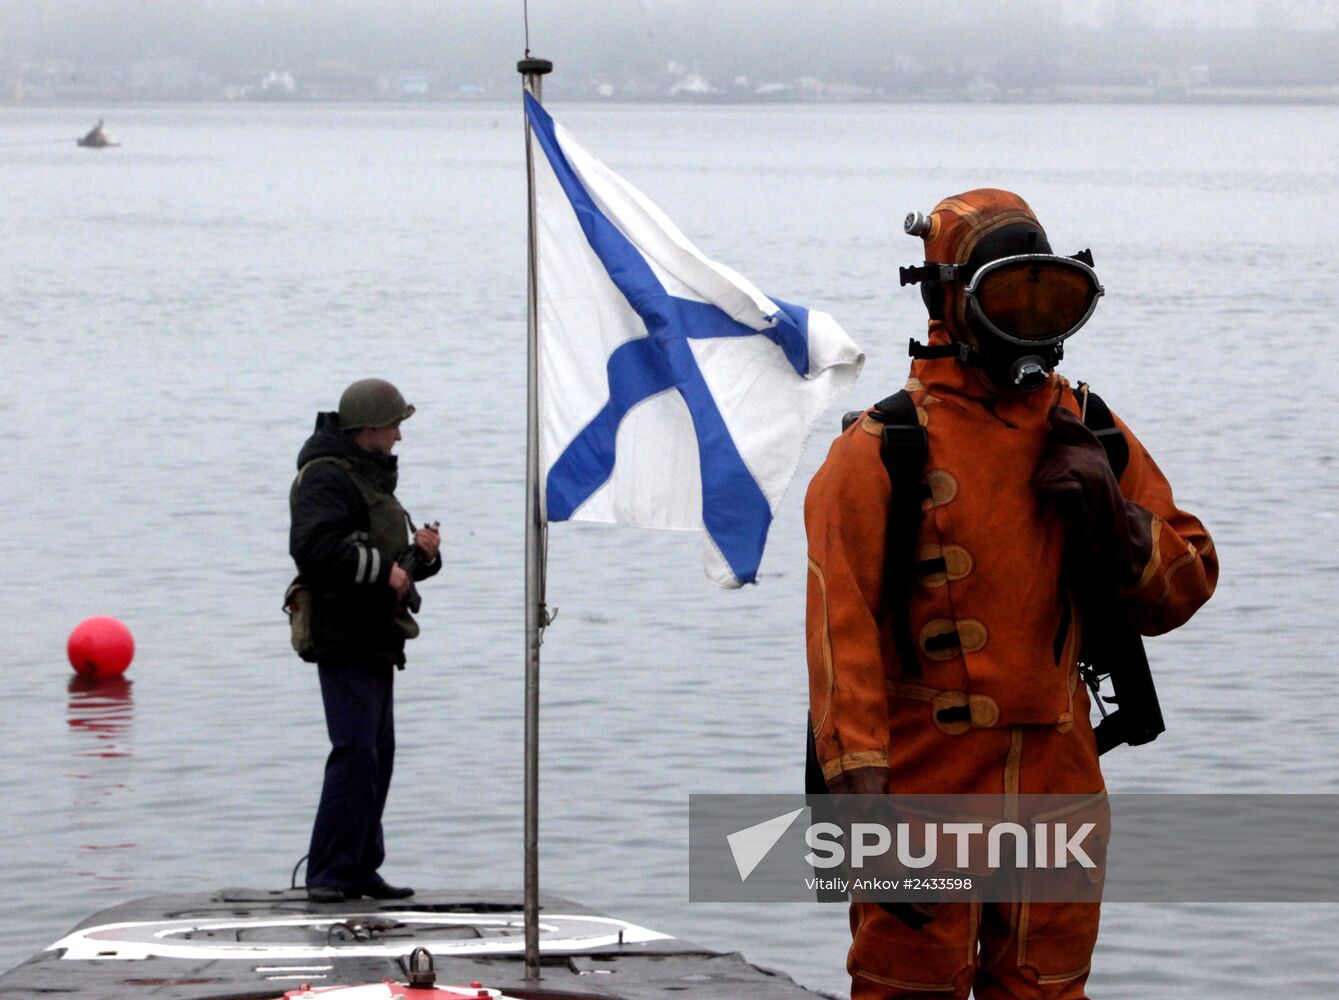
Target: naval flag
{"type": "Point", "coordinates": [672, 393]}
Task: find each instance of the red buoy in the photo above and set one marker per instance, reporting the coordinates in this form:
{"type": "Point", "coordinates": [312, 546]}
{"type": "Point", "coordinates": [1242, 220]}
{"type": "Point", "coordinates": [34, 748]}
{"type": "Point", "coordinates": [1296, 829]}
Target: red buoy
{"type": "Point", "coordinates": [100, 647]}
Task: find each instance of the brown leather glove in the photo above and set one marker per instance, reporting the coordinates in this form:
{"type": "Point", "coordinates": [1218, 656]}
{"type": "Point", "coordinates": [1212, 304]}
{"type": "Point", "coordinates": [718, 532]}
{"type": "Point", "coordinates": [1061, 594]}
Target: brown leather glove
{"type": "Point", "coordinates": [1105, 529]}
{"type": "Point", "coordinates": [860, 781]}
{"type": "Point", "coordinates": [914, 915]}
{"type": "Point", "coordinates": [874, 781]}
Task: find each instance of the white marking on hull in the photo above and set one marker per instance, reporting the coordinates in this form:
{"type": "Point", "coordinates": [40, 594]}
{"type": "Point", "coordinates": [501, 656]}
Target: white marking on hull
{"type": "Point", "coordinates": [497, 936]}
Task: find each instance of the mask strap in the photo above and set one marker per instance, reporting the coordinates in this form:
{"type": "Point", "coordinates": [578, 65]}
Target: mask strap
{"type": "Point", "coordinates": [928, 272]}
{"type": "Point", "coordinates": [963, 352]}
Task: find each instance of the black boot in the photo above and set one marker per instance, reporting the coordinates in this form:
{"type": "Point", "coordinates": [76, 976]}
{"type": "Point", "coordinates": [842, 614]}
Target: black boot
{"type": "Point", "coordinates": [379, 888]}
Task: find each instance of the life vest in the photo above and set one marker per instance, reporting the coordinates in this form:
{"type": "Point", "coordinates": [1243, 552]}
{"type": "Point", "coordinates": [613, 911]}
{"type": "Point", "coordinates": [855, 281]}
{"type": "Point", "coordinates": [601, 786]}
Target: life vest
{"type": "Point", "coordinates": [387, 532]}
{"type": "Point", "coordinates": [387, 521]}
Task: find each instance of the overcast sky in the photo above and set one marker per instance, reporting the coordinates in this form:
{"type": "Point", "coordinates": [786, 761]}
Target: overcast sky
{"type": "Point", "coordinates": [465, 40]}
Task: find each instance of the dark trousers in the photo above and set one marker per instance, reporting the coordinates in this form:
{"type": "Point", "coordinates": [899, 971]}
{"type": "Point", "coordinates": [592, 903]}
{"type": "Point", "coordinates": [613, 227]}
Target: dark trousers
{"type": "Point", "coordinates": [347, 846]}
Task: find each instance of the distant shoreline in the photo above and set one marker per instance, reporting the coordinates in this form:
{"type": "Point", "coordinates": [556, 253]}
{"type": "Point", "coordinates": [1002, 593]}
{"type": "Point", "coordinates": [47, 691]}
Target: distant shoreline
{"type": "Point", "coordinates": [1328, 95]}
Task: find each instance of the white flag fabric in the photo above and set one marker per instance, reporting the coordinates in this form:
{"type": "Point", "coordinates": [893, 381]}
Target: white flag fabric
{"type": "Point", "coordinates": [673, 393]}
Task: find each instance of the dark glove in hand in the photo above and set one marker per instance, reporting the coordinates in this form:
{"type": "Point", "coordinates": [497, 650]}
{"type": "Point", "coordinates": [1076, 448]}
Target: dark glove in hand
{"type": "Point", "coordinates": [874, 781]}
{"type": "Point", "coordinates": [859, 781]}
{"type": "Point", "coordinates": [914, 915]}
{"type": "Point", "coordinates": [1074, 474]}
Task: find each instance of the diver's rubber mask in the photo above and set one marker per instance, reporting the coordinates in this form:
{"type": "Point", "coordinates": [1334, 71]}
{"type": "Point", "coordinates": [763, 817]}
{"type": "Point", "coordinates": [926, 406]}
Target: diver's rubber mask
{"type": "Point", "coordinates": [1034, 299]}
{"type": "Point", "coordinates": [1020, 308]}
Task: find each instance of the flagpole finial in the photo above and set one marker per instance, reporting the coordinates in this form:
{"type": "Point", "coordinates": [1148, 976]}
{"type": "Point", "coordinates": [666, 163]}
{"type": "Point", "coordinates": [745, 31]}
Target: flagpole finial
{"type": "Point", "coordinates": [537, 66]}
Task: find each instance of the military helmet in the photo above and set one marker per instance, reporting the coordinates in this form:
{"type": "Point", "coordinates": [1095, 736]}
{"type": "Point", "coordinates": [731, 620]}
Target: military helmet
{"type": "Point", "coordinates": [372, 402]}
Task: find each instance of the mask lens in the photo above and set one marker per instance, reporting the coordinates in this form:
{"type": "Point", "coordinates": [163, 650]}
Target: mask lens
{"type": "Point", "coordinates": [1039, 300]}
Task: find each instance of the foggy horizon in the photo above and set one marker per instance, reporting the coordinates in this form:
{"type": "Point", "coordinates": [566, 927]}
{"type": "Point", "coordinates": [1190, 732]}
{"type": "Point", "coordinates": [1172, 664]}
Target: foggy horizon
{"type": "Point", "coordinates": [862, 42]}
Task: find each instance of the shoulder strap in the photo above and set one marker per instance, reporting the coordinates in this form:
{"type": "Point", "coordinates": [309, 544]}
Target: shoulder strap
{"type": "Point", "coordinates": [368, 494]}
{"type": "Point", "coordinates": [323, 460]}
{"type": "Point", "coordinates": [905, 450]}
{"type": "Point", "coordinates": [1111, 647]}
{"type": "Point", "coordinates": [1098, 419]}
{"type": "Point", "coordinates": [365, 489]}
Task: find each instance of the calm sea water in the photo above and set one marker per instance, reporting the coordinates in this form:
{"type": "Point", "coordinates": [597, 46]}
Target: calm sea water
{"type": "Point", "coordinates": [174, 312]}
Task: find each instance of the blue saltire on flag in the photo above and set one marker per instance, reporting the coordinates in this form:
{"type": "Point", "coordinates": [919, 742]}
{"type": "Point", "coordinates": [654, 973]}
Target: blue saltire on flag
{"type": "Point", "coordinates": [673, 393]}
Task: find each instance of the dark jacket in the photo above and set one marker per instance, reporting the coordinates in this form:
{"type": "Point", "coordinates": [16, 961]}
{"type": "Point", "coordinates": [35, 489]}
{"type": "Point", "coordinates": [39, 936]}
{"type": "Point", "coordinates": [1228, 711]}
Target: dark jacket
{"type": "Point", "coordinates": [355, 607]}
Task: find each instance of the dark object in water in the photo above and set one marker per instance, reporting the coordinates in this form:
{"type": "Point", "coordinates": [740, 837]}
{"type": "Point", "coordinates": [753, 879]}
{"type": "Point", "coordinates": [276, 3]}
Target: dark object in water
{"type": "Point", "coordinates": [97, 138]}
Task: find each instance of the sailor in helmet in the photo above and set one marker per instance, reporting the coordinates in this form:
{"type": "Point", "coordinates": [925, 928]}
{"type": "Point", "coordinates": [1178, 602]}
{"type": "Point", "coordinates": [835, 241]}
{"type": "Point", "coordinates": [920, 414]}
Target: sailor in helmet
{"type": "Point", "coordinates": [953, 667]}
{"type": "Point", "coordinates": [352, 542]}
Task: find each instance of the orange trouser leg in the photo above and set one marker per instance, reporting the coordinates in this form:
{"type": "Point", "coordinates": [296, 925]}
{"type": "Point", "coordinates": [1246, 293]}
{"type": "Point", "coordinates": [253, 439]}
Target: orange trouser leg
{"type": "Point", "coordinates": [1037, 951]}
{"type": "Point", "coordinates": [890, 960]}
{"type": "Point", "coordinates": [1002, 951]}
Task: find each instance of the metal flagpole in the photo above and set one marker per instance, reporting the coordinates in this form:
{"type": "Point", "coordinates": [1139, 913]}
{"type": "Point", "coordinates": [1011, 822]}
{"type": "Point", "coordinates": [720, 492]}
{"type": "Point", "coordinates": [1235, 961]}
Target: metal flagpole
{"type": "Point", "coordinates": [536, 615]}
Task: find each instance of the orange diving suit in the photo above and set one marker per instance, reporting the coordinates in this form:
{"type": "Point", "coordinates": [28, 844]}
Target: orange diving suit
{"type": "Point", "coordinates": [1012, 479]}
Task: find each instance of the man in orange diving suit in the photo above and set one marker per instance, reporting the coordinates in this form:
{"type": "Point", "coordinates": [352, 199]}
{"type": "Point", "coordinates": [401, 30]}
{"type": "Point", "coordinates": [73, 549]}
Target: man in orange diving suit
{"type": "Point", "coordinates": [980, 694]}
